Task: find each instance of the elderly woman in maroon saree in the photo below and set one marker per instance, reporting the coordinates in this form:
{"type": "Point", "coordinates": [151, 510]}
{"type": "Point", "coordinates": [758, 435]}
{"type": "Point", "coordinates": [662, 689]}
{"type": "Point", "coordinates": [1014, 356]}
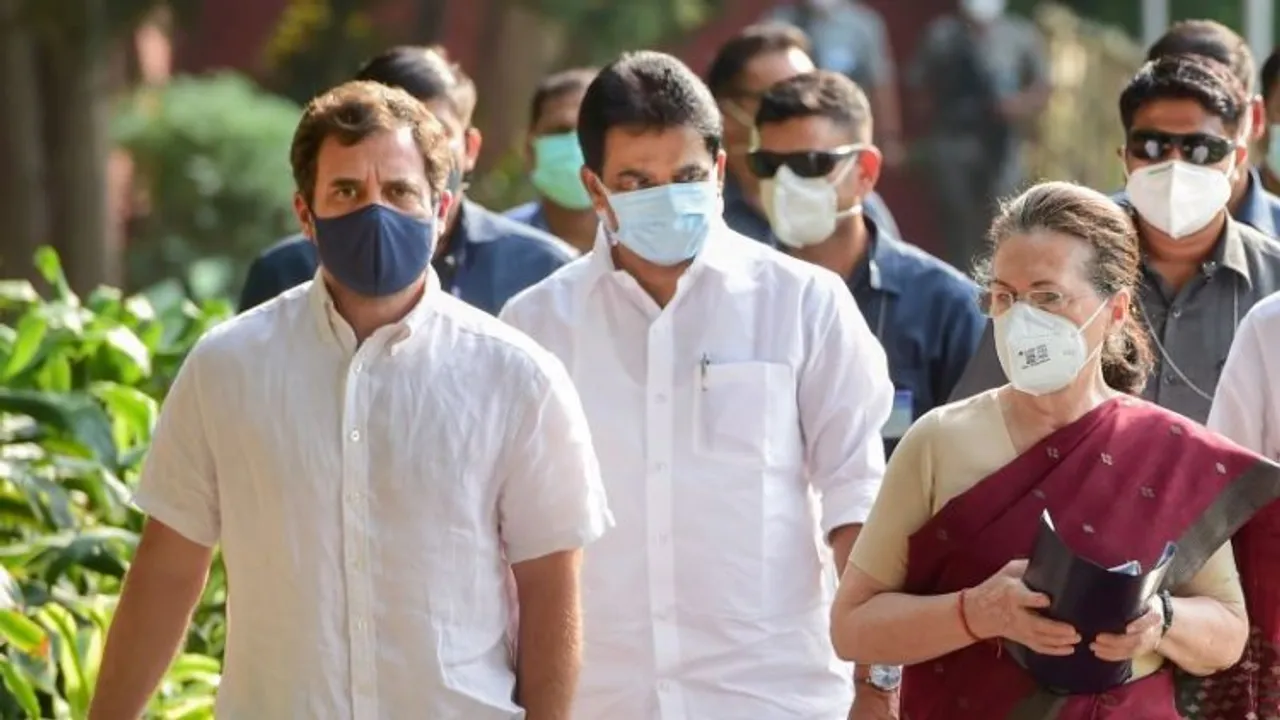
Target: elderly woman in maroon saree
{"type": "Point", "coordinates": [934, 581]}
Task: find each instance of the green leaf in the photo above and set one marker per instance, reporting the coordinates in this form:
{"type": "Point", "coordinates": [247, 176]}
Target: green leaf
{"type": "Point", "coordinates": [77, 687]}
{"type": "Point", "coordinates": [74, 414]}
{"type": "Point", "coordinates": [32, 329]}
{"type": "Point", "coordinates": [20, 688]}
{"type": "Point", "coordinates": [133, 412]}
{"type": "Point", "coordinates": [127, 344]}
{"type": "Point", "coordinates": [54, 374]}
{"type": "Point", "coordinates": [18, 292]}
{"type": "Point", "coordinates": [50, 268]}
{"type": "Point", "coordinates": [23, 633]}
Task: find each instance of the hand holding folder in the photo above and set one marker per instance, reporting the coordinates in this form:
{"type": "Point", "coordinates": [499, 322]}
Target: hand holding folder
{"type": "Point", "coordinates": [1091, 598]}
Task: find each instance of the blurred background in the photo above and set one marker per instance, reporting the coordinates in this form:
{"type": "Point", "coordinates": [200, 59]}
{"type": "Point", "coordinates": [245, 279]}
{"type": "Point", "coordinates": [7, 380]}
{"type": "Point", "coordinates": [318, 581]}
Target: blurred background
{"type": "Point", "coordinates": [147, 140]}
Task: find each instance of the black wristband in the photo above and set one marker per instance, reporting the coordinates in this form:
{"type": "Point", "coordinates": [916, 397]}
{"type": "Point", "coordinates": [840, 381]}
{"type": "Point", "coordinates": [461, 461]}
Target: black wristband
{"type": "Point", "coordinates": [1166, 606]}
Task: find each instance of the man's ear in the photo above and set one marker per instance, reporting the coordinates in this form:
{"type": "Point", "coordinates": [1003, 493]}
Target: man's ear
{"type": "Point", "coordinates": [473, 140]}
{"type": "Point", "coordinates": [1257, 120]}
{"type": "Point", "coordinates": [722, 159]}
{"type": "Point", "coordinates": [306, 221]}
{"type": "Point", "coordinates": [870, 161]}
{"type": "Point", "coordinates": [443, 206]}
{"type": "Point", "coordinates": [599, 198]}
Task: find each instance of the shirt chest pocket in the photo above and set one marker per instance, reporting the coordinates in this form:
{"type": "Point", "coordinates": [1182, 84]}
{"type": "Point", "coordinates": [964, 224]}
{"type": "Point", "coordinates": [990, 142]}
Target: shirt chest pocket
{"type": "Point", "coordinates": [747, 412]}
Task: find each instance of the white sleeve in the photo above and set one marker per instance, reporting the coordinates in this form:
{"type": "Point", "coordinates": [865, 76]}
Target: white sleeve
{"type": "Point", "coordinates": [179, 482]}
{"type": "Point", "coordinates": [1239, 409]}
{"type": "Point", "coordinates": [845, 396]}
{"type": "Point", "coordinates": [552, 497]}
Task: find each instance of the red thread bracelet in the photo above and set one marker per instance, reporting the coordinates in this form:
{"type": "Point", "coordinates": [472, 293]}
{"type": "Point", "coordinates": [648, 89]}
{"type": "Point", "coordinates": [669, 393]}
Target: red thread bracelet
{"type": "Point", "coordinates": [964, 621]}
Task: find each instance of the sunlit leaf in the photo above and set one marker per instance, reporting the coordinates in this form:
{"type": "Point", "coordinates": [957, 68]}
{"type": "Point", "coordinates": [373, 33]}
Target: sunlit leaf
{"type": "Point", "coordinates": [50, 268]}
{"type": "Point", "coordinates": [127, 344]}
{"type": "Point", "coordinates": [63, 627]}
{"type": "Point", "coordinates": [54, 374]}
{"type": "Point", "coordinates": [23, 633]}
{"type": "Point", "coordinates": [17, 293]}
{"type": "Point", "coordinates": [20, 687]}
{"type": "Point", "coordinates": [77, 415]}
{"type": "Point", "coordinates": [32, 329]}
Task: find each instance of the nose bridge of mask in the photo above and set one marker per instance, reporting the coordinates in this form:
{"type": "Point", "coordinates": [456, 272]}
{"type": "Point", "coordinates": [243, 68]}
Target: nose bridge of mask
{"type": "Point", "coordinates": [662, 202]}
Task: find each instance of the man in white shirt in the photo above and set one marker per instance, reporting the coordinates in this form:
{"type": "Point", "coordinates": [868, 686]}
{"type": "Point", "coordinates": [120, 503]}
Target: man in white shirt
{"type": "Point", "coordinates": [375, 459]}
{"type": "Point", "coordinates": [1246, 403]}
{"type": "Point", "coordinates": [723, 382]}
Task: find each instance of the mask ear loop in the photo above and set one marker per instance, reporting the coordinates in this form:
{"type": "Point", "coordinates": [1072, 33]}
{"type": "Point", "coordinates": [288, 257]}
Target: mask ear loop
{"type": "Point", "coordinates": [849, 163]}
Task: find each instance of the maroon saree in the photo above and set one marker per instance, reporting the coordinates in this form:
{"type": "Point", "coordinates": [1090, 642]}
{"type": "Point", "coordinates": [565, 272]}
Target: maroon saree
{"type": "Point", "coordinates": [1120, 483]}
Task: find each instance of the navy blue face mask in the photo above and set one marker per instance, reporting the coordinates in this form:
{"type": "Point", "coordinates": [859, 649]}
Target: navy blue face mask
{"type": "Point", "coordinates": [375, 251]}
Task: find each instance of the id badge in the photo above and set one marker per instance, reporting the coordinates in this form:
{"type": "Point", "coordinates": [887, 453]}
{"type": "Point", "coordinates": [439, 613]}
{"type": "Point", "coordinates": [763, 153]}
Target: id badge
{"type": "Point", "coordinates": [901, 417]}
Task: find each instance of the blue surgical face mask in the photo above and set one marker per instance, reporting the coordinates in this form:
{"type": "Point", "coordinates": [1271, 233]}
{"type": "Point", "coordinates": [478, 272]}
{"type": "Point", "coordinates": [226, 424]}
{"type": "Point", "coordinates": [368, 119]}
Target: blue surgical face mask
{"type": "Point", "coordinates": [557, 167]}
{"type": "Point", "coordinates": [375, 251]}
{"type": "Point", "coordinates": [668, 224]}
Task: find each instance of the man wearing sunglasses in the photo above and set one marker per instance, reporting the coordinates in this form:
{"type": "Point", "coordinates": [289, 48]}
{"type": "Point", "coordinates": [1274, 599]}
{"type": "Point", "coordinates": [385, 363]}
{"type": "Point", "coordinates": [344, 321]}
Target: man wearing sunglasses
{"type": "Point", "coordinates": [723, 383]}
{"type": "Point", "coordinates": [816, 165]}
{"type": "Point", "coordinates": [744, 68]}
{"type": "Point", "coordinates": [1186, 120]}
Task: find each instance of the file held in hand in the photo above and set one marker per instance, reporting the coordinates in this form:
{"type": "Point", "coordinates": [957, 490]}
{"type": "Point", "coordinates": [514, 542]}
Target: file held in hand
{"type": "Point", "coordinates": [1091, 598]}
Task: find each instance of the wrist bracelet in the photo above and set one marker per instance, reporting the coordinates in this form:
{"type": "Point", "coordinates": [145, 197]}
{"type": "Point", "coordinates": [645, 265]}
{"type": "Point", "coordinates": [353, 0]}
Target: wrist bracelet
{"type": "Point", "coordinates": [964, 620]}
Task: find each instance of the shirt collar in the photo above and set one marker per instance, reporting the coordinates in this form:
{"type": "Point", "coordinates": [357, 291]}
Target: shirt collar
{"type": "Point", "coordinates": [1255, 210]}
{"type": "Point", "coordinates": [879, 265]}
{"type": "Point", "coordinates": [334, 327]}
{"type": "Point", "coordinates": [1230, 251]}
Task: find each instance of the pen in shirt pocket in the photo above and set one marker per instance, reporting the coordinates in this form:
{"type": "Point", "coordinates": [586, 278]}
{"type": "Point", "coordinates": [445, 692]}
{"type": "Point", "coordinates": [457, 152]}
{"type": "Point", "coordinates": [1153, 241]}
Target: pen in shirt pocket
{"type": "Point", "coordinates": [706, 361]}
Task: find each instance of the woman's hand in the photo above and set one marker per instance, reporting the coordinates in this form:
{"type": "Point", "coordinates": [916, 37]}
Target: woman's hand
{"type": "Point", "coordinates": [1004, 607]}
{"type": "Point", "coordinates": [1140, 638]}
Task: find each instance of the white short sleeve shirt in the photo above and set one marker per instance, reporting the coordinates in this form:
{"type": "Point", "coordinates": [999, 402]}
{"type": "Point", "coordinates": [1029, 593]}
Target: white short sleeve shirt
{"type": "Point", "coordinates": [369, 500]}
{"type": "Point", "coordinates": [1246, 404]}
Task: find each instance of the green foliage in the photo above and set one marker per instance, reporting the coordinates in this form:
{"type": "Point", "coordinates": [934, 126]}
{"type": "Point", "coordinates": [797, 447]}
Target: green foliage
{"type": "Point", "coordinates": [602, 28]}
{"type": "Point", "coordinates": [212, 155]}
{"type": "Point", "coordinates": [80, 385]}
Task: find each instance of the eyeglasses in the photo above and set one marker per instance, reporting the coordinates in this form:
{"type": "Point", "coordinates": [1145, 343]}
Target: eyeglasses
{"type": "Point", "coordinates": [996, 302]}
{"type": "Point", "coordinates": [1195, 148]}
{"type": "Point", "coordinates": [810, 164]}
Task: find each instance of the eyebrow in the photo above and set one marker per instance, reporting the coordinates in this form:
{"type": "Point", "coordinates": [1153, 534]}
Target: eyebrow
{"type": "Point", "coordinates": [1036, 284]}
{"type": "Point", "coordinates": [692, 170]}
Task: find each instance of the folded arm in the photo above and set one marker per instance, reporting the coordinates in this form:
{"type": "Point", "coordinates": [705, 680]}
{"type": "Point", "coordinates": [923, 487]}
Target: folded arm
{"type": "Point", "coordinates": [1207, 635]}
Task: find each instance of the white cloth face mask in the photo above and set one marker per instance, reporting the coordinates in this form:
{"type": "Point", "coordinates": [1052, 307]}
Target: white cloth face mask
{"type": "Point", "coordinates": [1178, 197]}
{"type": "Point", "coordinates": [983, 11]}
{"type": "Point", "coordinates": [804, 211]}
{"type": "Point", "coordinates": [1040, 352]}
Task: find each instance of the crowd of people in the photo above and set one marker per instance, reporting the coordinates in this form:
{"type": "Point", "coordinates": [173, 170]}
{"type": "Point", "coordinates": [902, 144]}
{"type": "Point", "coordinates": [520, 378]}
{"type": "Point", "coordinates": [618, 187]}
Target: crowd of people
{"type": "Point", "coordinates": [606, 455]}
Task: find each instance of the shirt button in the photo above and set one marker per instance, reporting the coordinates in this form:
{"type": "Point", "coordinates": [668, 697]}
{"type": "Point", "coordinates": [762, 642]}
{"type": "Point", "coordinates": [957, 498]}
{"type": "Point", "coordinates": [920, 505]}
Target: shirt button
{"type": "Point", "coordinates": [361, 625]}
{"type": "Point", "coordinates": [660, 398]}
{"type": "Point", "coordinates": [355, 436]}
{"type": "Point", "coordinates": [660, 467]}
{"type": "Point", "coordinates": [1176, 312]}
{"type": "Point", "coordinates": [358, 367]}
{"type": "Point", "coordinates": [664, 686]}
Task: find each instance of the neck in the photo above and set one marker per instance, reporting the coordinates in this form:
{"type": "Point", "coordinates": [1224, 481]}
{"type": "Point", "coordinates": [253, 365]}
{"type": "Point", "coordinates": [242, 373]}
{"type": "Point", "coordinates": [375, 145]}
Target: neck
{"type": "Point", "coordinates": [841, 252]}
{"type": "Point", "coordinates": [576, 227]}
{"type": "Point", "coordinates": [658, 282]}
{"type": "Point", "coordinates": [1269, 181]}
{"type": "Point", "coordinates": [451, 222]}
{"type": "Point", "coordinates": [1047, 413]}
{"type": "Point", "coordinates": [1178, 259]}
{"type": "Point", "coordinates": [365, 315]}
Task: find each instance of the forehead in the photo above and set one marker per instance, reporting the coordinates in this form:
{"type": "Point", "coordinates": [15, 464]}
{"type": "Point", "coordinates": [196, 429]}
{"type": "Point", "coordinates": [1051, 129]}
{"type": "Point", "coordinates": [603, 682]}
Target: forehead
{"type": "Point", "coordinates": [804, 133]}
{"type": "Point", "coordinates": [657, 152]}
{"type": "Point", "coordinates": [388, 154]}
{"type": "Point", "coordinates": [765, 70]}
{"type": "Point", "coordinates": [561, 109]}
{"type": "Point", "coordinates": [1024, 260]}
{"type": "Point", "coordinates": [1178, 115]}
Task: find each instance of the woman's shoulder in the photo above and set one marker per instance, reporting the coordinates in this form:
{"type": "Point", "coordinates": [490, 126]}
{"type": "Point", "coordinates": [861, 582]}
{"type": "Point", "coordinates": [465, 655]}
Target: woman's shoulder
{"type": "Point", "coordinates": [1156, 427]}
{"type": "Point", "coordinates": [960, 419]}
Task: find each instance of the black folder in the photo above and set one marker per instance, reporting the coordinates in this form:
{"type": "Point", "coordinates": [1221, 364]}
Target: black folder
{"type": "Point", "coordinates": [1094, 600]}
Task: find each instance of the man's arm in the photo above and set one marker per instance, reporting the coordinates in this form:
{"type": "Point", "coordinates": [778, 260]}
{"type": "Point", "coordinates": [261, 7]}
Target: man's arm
{"type": "Point", "coordinates": [179, 493]}
{"type": "Point", "coordinates": [160, 592]}
{"type": "Point", "coordinates": [549, 653]}
{"type": "Point", "coordinates": [551, 505]}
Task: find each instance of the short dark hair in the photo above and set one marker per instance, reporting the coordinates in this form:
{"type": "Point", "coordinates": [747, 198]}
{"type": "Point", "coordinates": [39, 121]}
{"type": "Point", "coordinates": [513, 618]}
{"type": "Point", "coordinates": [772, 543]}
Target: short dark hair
{"type": "Point", "coordinates": [1186, 77]}
{"type": "Point", "coordinates": [352, 112]}
{"type": "Point", "coordinates": [1209, 39]}
{"type": "Point", "coordinates": [820, 93]}
{"type": "Point", "coordinates": [426, 73]}
{"type": "Point", "coordinates": [645, 90]}
{"type": "Point", "coordinates": [1270, 74]}
{"type": "Point", "coordinates": [756, 40]}
{"type": "Point", "coordinates": [556, 86]}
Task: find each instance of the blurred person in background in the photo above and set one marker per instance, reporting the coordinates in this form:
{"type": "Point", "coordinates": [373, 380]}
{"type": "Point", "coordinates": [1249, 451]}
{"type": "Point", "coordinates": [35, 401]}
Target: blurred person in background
{"type": "Point", "coordinates": [1270, 145]}
{"type": "Point", "coordinates": [482, 257]}
{"type": "Point", "coordinates": [370, 504]}
{"type": "Point", "coordinates": [1251, 203]}
{"type": "Point", "coordinates": [744, 68]}
{"type": "Point", "coordinates": [563, 207]}
{"type": "Point", "coordinates": [850, 38]}
{"type": "Point", "coordinates": [981, 77]}
{"type": "Point", "coordinates": [1186, 122]}
{"type": "Point", "coordinates": [816, 163]}
{"type": "Point", "coordinates": [724, 382]}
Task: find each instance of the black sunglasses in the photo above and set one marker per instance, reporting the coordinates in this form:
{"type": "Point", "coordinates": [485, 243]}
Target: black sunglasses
{"type": "Point", "coordinates": [811, 164]}
{"type": "Point", "coordinates": [1195, 148]}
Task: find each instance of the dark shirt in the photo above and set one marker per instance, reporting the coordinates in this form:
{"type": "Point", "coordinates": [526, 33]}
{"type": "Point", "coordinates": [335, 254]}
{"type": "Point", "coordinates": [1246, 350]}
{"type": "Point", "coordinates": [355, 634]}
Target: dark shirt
{"type": "Point", "coordinates": [1192, 329]}
{"type": "Point", "coordinates": [530, 214]}
{"type": "Point", "coordinates": [488, 260]}
{"type": "Point", "coordinates": [743, 218]}
{"type": "Point", "coordinates": [925, 314]}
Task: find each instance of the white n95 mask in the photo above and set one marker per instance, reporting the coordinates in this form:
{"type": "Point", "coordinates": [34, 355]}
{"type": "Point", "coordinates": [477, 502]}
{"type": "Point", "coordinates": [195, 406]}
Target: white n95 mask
{"type": "Point", "coordinates": [804, 211]}
{"type": "Point", "coordinates": [1041, 353]}
{"type": "Point", "coordinates": [1178, 197]}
